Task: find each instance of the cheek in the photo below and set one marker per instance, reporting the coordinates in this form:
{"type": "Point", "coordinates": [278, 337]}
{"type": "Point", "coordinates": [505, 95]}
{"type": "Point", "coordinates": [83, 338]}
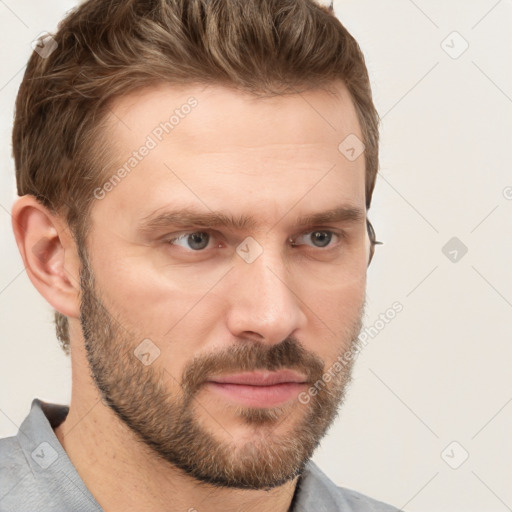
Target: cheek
{"type": "Point", "coordinates": [334, 317]}
{"type": "Point", "coordinates": [156, 303]}
{"type": "Point", "coordinates": [335, 292]}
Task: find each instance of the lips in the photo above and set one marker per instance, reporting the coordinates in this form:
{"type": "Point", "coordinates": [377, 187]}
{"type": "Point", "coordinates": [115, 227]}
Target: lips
{"type": "Point", "coordinates": [260, 388]}
{"type": "Point", "coordinates": [261, 378]}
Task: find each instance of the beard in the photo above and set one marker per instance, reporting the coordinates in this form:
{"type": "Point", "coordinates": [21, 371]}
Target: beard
{"type": "Point", "coordinates": [169, 422]}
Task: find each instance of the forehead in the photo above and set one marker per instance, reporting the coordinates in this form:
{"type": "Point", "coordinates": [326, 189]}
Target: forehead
{"type": "Point", "coordinates": [215, 148]}
{"type": "Point", "coordinates": [243, 117]}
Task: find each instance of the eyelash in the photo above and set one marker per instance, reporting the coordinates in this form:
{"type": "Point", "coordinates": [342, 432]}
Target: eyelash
{"type": "Point", "coordinates": [340, 234]}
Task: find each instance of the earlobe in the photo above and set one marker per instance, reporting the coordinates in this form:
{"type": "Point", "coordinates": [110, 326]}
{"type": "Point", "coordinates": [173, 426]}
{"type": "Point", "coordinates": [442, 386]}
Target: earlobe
{"type": "Point", "coordinates": [48, 253]}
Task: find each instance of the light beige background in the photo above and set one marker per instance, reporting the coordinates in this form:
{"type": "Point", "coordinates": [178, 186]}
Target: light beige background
{"type": "Point", "coordinates": [440, 371]}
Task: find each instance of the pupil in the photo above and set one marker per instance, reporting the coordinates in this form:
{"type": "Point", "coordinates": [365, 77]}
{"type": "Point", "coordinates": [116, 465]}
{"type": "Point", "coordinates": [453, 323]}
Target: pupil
{"type": "Point", "coordinates": [195, 240]}
{"type": "Point", "coordinates": [323, 237]}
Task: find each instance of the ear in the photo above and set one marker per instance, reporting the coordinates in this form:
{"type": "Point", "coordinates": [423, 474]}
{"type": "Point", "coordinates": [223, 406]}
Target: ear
{"type": "Point", "coordinates": [49, 254]}
{"type": "Point", "coordinates": [371, 242]}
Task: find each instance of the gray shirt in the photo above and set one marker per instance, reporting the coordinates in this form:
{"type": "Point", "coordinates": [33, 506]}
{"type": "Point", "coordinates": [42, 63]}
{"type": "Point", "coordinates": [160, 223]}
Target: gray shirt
{"type": "Point", "coordinates": [37, 475]}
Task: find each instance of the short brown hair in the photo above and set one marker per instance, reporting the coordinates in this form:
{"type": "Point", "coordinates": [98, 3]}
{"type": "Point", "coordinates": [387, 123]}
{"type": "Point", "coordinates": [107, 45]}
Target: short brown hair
{"type": "Point", "coordinates": [108, 48]}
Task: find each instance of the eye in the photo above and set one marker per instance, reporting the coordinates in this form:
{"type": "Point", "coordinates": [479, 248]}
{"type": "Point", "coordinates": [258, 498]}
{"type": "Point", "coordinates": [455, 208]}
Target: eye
{"type": "Point", "coordinates": [319, 237]}
{"type": "Point", "coordinates": [194, 240]}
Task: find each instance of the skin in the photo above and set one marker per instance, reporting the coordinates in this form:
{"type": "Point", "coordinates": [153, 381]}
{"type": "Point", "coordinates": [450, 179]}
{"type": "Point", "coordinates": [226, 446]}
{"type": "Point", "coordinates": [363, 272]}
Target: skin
{"type": "Point", "coordinates": [274, 159]}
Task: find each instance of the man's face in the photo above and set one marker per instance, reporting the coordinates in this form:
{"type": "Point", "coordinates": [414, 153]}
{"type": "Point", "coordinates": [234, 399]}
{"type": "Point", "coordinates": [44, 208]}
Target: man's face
{"type": "Point", "coordinates": [174, 310]}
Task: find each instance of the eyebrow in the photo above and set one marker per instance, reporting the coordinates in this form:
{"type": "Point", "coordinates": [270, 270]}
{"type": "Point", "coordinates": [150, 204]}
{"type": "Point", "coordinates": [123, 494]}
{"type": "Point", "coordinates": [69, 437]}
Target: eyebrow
{"type": "Point", "coordinates": [188, 217]}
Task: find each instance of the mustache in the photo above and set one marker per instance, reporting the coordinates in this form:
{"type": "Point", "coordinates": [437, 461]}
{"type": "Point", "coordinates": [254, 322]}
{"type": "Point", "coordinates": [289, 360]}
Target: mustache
{"type": "Point", "coordinates": [250, 356]}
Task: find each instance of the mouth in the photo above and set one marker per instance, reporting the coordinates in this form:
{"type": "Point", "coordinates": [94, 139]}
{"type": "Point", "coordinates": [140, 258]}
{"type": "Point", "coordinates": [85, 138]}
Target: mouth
{"type": "Point", "coordinates": [260, 388]}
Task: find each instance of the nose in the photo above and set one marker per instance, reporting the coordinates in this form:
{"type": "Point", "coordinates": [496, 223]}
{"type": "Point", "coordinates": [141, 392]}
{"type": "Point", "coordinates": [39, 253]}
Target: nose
{"type": "Point", "coordinates": [263, 305]}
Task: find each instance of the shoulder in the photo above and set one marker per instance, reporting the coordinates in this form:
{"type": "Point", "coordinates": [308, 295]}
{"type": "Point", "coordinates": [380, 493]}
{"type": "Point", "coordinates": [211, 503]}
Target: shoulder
{"type": "Point", "coordinates": [14, 472]}
{"type": "Point", "coordinates": [12, 459]}
{"type": "Point", "coordinates": [319, 491]}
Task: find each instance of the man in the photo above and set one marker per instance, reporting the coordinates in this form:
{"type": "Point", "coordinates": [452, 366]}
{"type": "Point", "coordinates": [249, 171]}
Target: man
{"type": "Point", "coordinates": [194, 181]}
